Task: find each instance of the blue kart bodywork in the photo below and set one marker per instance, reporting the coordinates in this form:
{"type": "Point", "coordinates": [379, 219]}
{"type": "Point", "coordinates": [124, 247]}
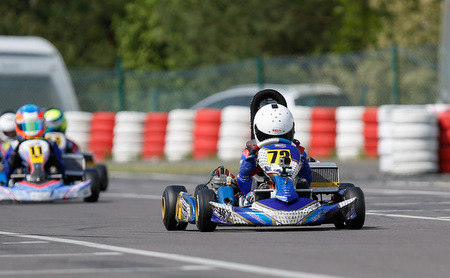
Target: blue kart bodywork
{"type": "Point", "coordinates": [51, 190]}
{"type": "Point", "coordinates": [270, 212]}
{"type": "Point", "coordinates": [282, 202]}
{"type": "Point", "coordinates": [32, 183]}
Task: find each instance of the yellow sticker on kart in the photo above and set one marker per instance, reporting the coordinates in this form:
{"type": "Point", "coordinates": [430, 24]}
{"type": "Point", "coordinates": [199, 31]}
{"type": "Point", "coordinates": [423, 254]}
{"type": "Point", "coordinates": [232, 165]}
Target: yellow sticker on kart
{"type": "Point", "coordinates": [36, 154]}
{"type": "Point", "coordinates": [273, 156]}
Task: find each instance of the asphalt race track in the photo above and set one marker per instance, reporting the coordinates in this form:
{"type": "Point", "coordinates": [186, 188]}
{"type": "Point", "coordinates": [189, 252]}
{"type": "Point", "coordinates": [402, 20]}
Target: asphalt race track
{"type": "Point", "coordinates": [405, 235]}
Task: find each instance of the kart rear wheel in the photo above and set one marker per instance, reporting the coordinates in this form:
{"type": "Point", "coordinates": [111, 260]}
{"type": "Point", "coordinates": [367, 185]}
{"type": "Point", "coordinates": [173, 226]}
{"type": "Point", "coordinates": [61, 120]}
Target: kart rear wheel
{"type": "Point", "coordinates": [203, 210]}
{"type": "Point", "coordinates": [169, 205]}
{"type": "Point", "coordinates": [360, 209]}
{"type": "Point", "coordinates": [92, 174]}
{"type": "Point", "coordinates": [103, 171]}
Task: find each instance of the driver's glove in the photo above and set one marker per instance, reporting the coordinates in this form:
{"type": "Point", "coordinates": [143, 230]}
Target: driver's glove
{"type": "Point", "coordinates": [247, 165]}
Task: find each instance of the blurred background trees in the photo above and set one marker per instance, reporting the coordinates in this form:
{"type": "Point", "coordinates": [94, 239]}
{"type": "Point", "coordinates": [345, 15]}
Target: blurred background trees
{"type": "Point", "coordinates": [176, 35]}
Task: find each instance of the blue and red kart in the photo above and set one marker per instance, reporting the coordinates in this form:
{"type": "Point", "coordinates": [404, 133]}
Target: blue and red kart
{"type": "Point", "coordinates": [280, 198]}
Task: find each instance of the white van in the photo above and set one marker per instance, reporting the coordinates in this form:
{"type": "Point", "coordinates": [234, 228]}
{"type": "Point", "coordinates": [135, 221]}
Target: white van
{"type": "Point", "coordinates": [33, 71]}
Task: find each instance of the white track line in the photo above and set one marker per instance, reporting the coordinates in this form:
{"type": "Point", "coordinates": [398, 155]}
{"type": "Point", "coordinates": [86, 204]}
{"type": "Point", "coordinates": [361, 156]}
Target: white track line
{"type": "Point", "coordinates": [387, 191]}
{"type": "Point", "coordinates": [62, 255]}
{"type": "Point", "coordinates": [131, 196]}
{"type": "Point", "coordinates": [408, 216]}
{"type": "Point", "coordinates": [102, 270]}
{"type": "Point", "coordinates": [196, 261]}
{"type": "Point", "coordinates": [23, 242]}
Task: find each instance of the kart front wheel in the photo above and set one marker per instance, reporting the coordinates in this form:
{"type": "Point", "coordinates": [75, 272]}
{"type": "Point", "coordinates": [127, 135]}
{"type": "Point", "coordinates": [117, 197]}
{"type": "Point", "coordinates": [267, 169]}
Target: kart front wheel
{"type": "Point", "coordinates": [360, 209]}
{"type": "Point", "coordinates": [199, 187]}
{"type": "Point", "coordinates": [169, 206]}
{"type": "Point", "coordinates": [203, 210]}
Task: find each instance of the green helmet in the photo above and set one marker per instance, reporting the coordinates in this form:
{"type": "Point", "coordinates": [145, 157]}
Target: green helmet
{"type": "Point", "coordinates": [55, 120]}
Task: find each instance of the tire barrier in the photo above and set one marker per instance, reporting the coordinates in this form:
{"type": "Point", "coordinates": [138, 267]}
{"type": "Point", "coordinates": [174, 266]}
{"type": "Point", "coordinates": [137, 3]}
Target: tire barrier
{"type": "Point", "coordinates": [79, 127]}
{"type": "Point", "coordinates": [102, 134]}
{"type": "Point", "coordinates": [322, 132]}
{"type": "Point", "coordinates": [385, 138]}
{"type": "Point", "coordinates": [349, 132]}
{"type": "Point", "coordinates": [179, 135]}
{"type": "Point", "coordinates": [155, 127]}
{"type": "Point", "coordinates": [407, 139]}
{"type": "Point", "coordinates": [206, 132]}
{"type": "Point", "coordinates": [370, 131]}
{"type": "Point", "coordinates": [444, 141]}
{"type": "Point", "coordinates": [410, 140]}
{"type": "Point", "coordinates": [128, 136]}
{"type": "Point", "coordinates": [234, 132]}
{"type": "Point", "coordinates": [302, 117]}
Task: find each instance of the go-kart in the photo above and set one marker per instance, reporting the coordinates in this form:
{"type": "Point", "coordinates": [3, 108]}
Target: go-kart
{"type": "Point", "coordinates": [97, 172]}
{"type": "Point", "coordinates": [31, 183]}
{"type": "Point", "coordinates": [279, 199]}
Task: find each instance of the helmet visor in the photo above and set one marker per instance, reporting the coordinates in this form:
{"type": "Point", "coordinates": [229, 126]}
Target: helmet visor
{"type": "Point", "coordinates": [31, 126]}
{"type": "Point", "coordinates": [56, 124]}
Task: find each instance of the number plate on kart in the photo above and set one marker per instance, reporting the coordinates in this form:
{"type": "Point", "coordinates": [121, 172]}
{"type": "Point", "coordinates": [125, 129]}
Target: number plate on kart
{"type": "Point", "coordinates": [40, 195]}
{"type": "Point", "coordinates": [274, 155]}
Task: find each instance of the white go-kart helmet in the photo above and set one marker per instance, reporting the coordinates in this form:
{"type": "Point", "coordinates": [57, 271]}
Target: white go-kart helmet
{"type": "Point", "coordinates": [7, 125]}
{"type": "Point", "coordinates": [273, 121]}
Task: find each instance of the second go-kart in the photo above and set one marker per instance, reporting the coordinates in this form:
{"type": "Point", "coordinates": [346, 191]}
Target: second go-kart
{"type": "Point", "coordinates": [280, 198]}
{"type": "Point", "coordinates": [31, 183]}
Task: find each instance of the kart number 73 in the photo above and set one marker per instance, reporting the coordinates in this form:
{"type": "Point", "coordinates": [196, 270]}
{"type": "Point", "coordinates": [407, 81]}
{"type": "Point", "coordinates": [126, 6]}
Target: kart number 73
{"type": "Point", "coordinates": [274, 155]}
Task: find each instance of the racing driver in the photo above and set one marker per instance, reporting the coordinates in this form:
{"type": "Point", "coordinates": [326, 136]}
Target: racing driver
{"type": "Point", "coordinates": [272, 120]}
{"type": "Point", "coordinates": [30, 124]}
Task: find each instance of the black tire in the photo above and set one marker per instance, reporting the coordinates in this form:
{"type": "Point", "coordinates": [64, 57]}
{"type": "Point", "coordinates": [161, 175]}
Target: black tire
{"type": "Point", "coordinates": [346, 185]}
{"type": "Point", "coordinates": [104, 180]}
{"type": "Point", "coordinates": [92, 174]}
{"type": "Point", "coordinates": [360, 209]}
{"type": "Point", "coordinates": [203, 210]}
{"type": "Point", "coordinates": [199, 187]}
{"type": "Point", "coordinates": [168, 207]}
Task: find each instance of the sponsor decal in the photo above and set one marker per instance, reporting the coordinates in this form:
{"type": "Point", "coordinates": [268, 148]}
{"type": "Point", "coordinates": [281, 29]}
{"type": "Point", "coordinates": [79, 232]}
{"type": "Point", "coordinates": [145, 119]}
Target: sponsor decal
{"type": "Point", "coordinates": [277, 130]}
{"type": "Point", "coordinates": [222, 214]}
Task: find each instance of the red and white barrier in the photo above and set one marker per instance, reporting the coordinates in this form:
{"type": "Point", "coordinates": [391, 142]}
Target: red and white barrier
{"type": "Point", "coordinates": [206, 133]}
{"type": "Point", "coordinates": [444, 142]}
{"type": "Point", "coordinates": [155, 127]}
{"type": "Point", "coordinates": [179, 135]}
{"type": "Point", "coordinates": [128, 136]}
{"type": "Point", "coordinates": [349, 132]}
{"type": "Point", "coordinates": [302, 118]}
{"type": "Point", "coordinates": [79, 128]}
{"type": "Point", "coordinates": [234, 132]}
{"type": "Point", "coordinates": [407, 139]}
{"type": "Point", "coordinates": [102, 134]}
{"type": "Point", "coordinates": [370, 131]}
{"type": "Point", "coordinates": [322, 132]}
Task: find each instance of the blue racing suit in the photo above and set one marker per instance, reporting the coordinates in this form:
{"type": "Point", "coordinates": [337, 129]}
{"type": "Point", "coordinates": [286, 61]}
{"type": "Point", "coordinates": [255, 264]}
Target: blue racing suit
{"type": "Point", "coordinates": [247, 169]}
{"type": "Point", "coordinates": [14, 161]}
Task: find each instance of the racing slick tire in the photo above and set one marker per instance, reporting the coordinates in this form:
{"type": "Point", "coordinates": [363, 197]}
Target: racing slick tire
{"type": "Point", "coordinates": [103, 173]}
{"type": "Point", "coordinates": [169, 205]}
{"type": "Point", "coordinates": [92, 174]}
{"type": "Point", "coordinates": [199, 187]}
{"type": "Point", "coordinates": [360, 208]}
{"type": "Point", "coordinates": [204, 211]}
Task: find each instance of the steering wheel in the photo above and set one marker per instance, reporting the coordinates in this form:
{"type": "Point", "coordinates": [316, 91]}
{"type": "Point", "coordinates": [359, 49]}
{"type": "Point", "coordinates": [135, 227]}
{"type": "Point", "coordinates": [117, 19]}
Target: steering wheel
{"type": "Point", "coordinates": [270, 141]}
